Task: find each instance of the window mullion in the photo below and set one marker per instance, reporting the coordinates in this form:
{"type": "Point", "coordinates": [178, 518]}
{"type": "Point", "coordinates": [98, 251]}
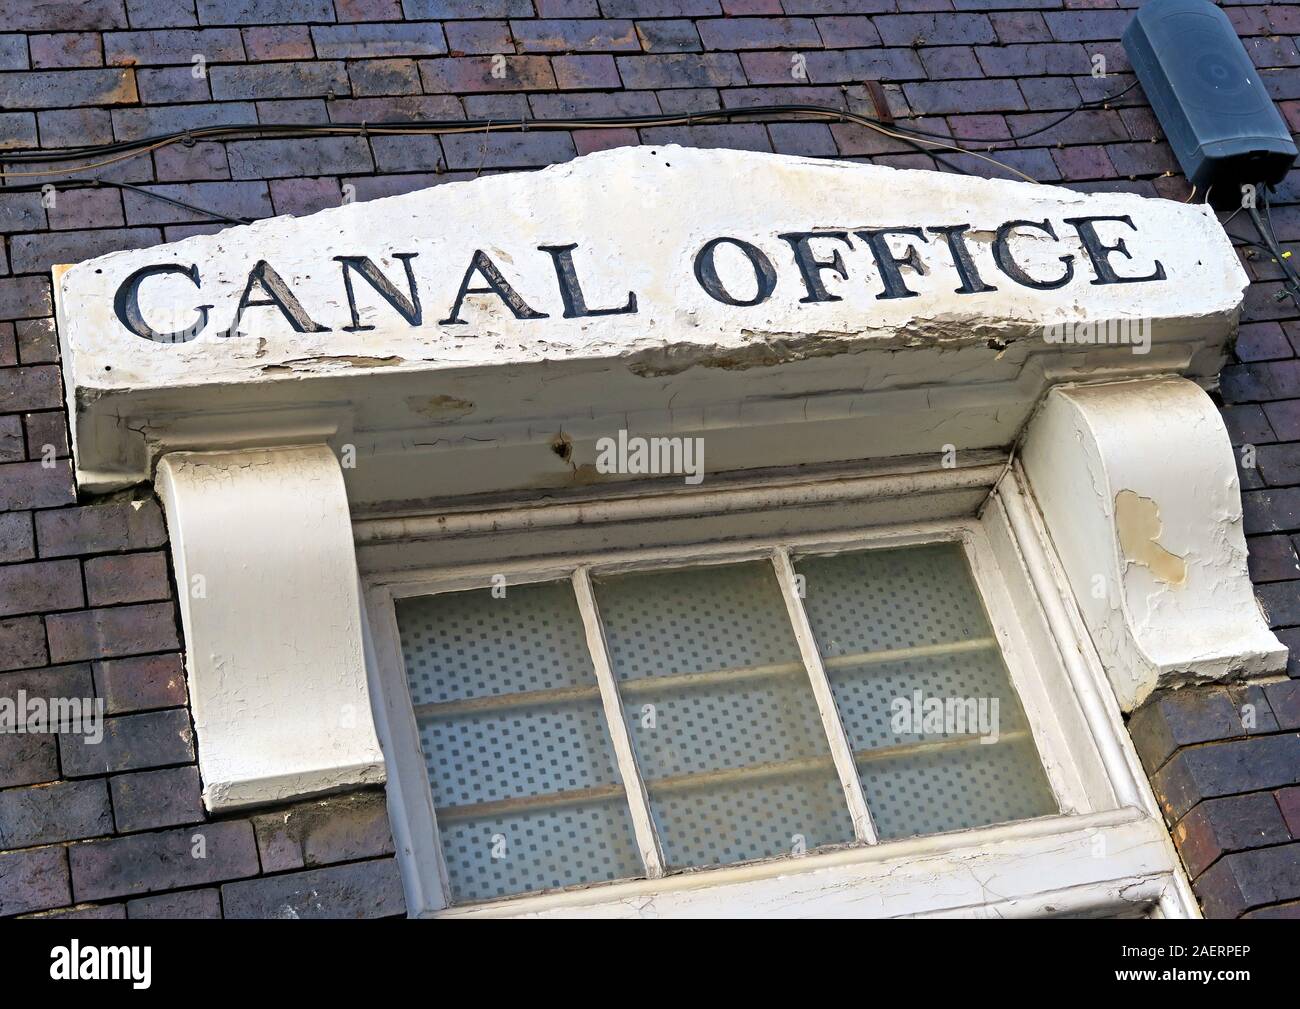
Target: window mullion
{"type": "Point", "coordinates": [841, 751]}
{"type": "Point", "coordinates": [638, 801]}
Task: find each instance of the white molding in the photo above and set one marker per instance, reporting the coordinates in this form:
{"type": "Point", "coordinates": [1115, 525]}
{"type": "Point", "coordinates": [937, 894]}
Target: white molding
{"type": "Point", "coordinates": [1138, 486]}
{"type": "Point", "coordinates": [268, 591]}
{"type": "Point", "coordinates": [1113, 862]}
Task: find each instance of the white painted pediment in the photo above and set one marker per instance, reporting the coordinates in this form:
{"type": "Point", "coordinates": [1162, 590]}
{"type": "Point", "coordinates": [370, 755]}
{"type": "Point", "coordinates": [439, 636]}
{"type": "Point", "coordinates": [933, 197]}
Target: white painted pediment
{"type": "Point", "coordinates": [676, 288]}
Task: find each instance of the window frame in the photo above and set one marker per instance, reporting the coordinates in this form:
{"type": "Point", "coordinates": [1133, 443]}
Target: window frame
{"type": "Point", "coordinates": [1038, 666]}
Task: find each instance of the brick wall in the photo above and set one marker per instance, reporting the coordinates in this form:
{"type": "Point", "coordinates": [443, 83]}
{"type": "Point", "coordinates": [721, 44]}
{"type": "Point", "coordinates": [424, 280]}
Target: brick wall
{"type": "Point", "coordinates": [85, 593]}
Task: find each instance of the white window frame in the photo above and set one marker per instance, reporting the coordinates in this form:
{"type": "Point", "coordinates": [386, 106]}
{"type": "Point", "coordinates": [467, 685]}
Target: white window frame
{"type": "Point", "coordinates": [1105, 853]}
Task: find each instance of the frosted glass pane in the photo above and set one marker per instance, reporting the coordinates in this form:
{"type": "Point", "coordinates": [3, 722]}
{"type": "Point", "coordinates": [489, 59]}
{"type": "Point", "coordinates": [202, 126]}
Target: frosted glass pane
{"type": "Point", "coordinates": [939, 737]}
{"type": "Point", "coordinates": [526, 789]}
{"type": "Point", "coordinates": [722, 718]}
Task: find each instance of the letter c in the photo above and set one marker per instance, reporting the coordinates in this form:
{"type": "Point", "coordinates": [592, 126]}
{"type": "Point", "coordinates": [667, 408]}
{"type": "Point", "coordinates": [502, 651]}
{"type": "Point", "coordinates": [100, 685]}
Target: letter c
{"type": "Point", "coordinates": [127, 305]}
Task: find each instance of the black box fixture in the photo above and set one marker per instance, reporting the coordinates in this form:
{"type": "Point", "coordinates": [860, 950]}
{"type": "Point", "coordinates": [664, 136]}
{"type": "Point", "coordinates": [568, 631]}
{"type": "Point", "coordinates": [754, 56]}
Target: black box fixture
{"type": "Point", "coordinates": [1208, 96]}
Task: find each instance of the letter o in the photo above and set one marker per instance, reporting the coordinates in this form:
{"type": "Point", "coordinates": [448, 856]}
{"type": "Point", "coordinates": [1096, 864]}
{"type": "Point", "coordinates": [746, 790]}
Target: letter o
{"type": "Point", "coordinates": [707, 274]}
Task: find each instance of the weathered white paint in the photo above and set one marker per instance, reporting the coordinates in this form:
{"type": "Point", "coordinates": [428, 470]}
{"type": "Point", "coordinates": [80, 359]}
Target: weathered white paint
{"type": "Point", "coordinates": [267, 578]}
{"type": "Point", "coordinates": [1137, 483]}
{"type": "Point", "coordinates": [859, 376]}
{"type": "Point", "coordinates": [1114, 862]}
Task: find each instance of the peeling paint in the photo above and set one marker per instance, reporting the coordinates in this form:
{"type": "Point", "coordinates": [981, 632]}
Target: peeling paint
{"type": "Point", "coordinates": [1137, 520]}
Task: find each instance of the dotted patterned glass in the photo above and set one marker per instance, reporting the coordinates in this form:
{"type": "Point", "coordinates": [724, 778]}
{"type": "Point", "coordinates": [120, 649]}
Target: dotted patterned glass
{"type": "Point", "coordinates": [939, 737]}
{"type": "Point", "coordinates": [525, 784]}
{"type": "Point", "coordinates": [722, 718]}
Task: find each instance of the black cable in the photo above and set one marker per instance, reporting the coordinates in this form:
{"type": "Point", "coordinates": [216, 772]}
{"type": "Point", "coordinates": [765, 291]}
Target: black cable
{"type": "Point", "coordinates": [1023, 136]}
{"type": "Point", "coordinates": [216, 215]}
{"type": "Point", "coordinates": [1290, 282]}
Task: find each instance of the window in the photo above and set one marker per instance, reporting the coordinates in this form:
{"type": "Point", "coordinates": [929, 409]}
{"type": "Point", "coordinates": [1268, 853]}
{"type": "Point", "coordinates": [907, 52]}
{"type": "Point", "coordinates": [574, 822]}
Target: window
{"type": "Point", "coordinates": [593, 730]}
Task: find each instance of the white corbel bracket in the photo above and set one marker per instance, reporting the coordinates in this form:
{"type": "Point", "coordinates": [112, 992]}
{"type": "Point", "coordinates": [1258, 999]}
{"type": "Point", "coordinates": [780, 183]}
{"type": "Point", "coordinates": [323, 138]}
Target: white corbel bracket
{"type": "Point", "coordinates": [1137, 484]}
{"type": "Point", "coordinates": [262, 545]}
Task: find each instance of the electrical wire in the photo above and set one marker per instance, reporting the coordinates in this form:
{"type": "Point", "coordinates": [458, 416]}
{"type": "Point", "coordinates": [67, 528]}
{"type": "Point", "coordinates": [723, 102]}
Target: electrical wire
{"type": "Point", "coordinates": [913, 137]}
{"type": "Point", "coordinates": [114, 153]}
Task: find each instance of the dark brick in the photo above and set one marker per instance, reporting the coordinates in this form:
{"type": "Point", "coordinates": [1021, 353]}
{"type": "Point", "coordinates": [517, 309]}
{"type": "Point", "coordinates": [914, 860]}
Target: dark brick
{"type": "Point", "coordinates": [263, 12]}
{"type": "Point", "coordinates": [358, 890]}
{"type": "Point", "coordinates": [16, 540]}
{"type": "Point", "coordinates": [506, 150]}
{"type": "Point", "coordinates": [266, 159]}
{"type": "Point", "coordinates": [130, 743]}
{"type": "Point", "coordinates": [1248, 879]}
{"type": "Point", "coordinates": [294, 111]}
{"type": "Point", "coordinates": [1020, 26]}
{"type": "Point", "coordinates": [402, 108]}
{"type": "Point", "coordinates": [447, 10]}
{"type": "Point", "coordinates": [1087, 26]}
{"type": "Point", "coordinates": [27, 758]}
{"type": "Point", "coordinates": [590, 141]}
{"type": "Point", "coordinates": [24, 297]}
{"type": "Point", "coordinates": [282, 42]}
{"type": "Point", "coordinates": [11, 439]}
{"type": "Point", "coordinates": [238, 199]}
{"type": "Point", "coordinates": [30, 388]}
{"type": "Point", "coordinates": [1284, 701]}
{"type": "Point", "coordinates": [384, 77]}
{"type": "Point", "coordinates": [38, 341]}
{"type": "Point", "coordinates": [659, 8]}
{"type": "Point", "coordinates": [40, 586]}
{"type": "Point", "coordinates": [1265, 511]}
{"type": "Point", "coordinates": [1228, 768]}
{"type": "Point", "coordinates": [736, 136]}
{"type": "Point", "coordinates": [86, 208]}
{"type": "Point", "coordinates": [126, 578]}
{"type": "Point", "coordinates": [13, 52]}
{"type": "Point", "coordinates": [671, 36]}
{"type": "Point", "coordinates": [47, 435]}
{"type": "Point", "coordinates": [100, 528]}
{"type": "Point", "coordinates": [1034, 60]}
{"type": "Point", "coordinates": [1174, 718]}
{"type": "Point", "coordinates": [1247, 425]}
{"type": "Point", "coordinates": [132, 124]}
{"type": "Point", "coordinates": [37, 253]}
{"type": "Point", "coordinates": [43, 89]}
{"type": "Point", "coordinates": [812, 140]}
{"type": "Point", "coordinates": [1264, 341]}
{"type": "Point", "coordinates": [134, 684]}
{"type": "Point", "coordinates": [305, 196]}
{"type": "Point", "coordinates": [186, 904]}
{"type": "Point", "coordinates": [619, 103]}
{"type": "Point", "coordinates": [172, 84]}
{"type": "Point", "coordinates": [61, 15]}
{"type": "Point", "coordinates": [1272, 559]}
{"type": "Point", "coordinates": [759, 33]}
{"type": "Point", "coordinates": [74, 127]}
{"type": "Point", "coordinates": [373, 40]}
{"type": "Point", "coordinates": [64, 811]}
{"type": "Point", "coordinates": [335, 830]}
{"type": "Point", "coordinates": [17, 129]}
{"type": "Point", "coordinates": [151, 14]}
{"type": "Point", "coordinates": [35, 485]}
{"type": "Point", "coordinates": [144, 863]}
{"type": "Point", "coordinates": [470, 74]}
{"type": "Point", "coordinates": [584, 72]}
{"type": "Point", "coordinates": [279, 80]}
{"type": "Point", "coordinates": [681, 70]}
{"type": "Point", "coordinates": [934, 29]}
{"type": "Point", "coordinates": [1288, 800]}
{"type": "Point", "coordinates": [928, 98]}
{"type": "Point", "coordinates": [159, 48]}
{"type": "Point", "coordinates": [179, 163]}
{"type": "Point", "coordinates": [549, 36]}
{"type": "Point", "coordinates": [1279, 464]}
{"type": "Point", "coordinates": [471, 37]}
{"type": "Point", "coordinates": [840, 32]}
{"type": "Point", "coordinates": [112, 632]}
{"type": "Point", "coordinates": [408, 154]}
{"type": "Point", "coordinates": [33, 880]}
{"type": "Point", "coordinates": [147, 800]}
{"type": "Point", "coordinates": [65, 50]}
{"type": "Point", "coordinates": [1235, 823]}
{"type": "Point", "coordinates": [1283, 419]}
{"type": "Point", "coordinates": [950, 62]}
